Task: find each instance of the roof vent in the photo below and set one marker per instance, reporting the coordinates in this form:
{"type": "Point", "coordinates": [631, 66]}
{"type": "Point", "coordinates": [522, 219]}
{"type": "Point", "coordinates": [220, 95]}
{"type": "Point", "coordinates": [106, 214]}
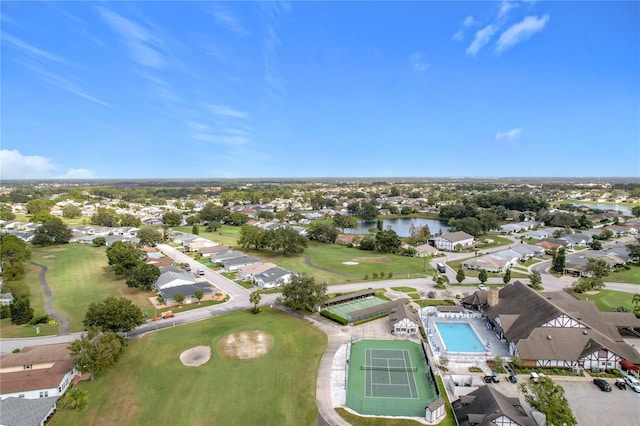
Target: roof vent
{"type": "Point", "coordinates": [585, 332]}
{"type": "Point", "coordinates": [548, 337]}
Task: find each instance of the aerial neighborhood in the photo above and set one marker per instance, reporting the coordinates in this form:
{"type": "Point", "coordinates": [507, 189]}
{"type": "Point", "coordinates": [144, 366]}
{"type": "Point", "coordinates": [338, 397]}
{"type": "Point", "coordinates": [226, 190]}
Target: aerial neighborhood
{"type": "Point", "coordinates": [438, 301]}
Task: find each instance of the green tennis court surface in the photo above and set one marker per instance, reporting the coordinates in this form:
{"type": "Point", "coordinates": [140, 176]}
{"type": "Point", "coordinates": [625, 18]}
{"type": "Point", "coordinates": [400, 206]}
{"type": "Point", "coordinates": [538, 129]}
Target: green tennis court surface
{"type": "Point", "coordinates": [389, 378]}
{"type": "Point", "coordinates": [389, 374]}
{"type": "Point", "coordinates": [344, 309]}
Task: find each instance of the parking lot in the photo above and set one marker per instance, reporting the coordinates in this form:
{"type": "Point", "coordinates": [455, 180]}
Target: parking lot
{"type": "Point", "coordinates": [589, 404]}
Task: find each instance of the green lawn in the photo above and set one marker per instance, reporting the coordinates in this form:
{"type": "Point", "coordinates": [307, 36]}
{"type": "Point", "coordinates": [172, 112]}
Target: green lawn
{"type": "Point", "coordinates": [498, 240]}
{"type": "Point", "coordinates": [149, 385]}
{"type": "Point", "coordinates": [226, 234]}
{"type": "Point", "coordinates": [78, 275]}
{"type": "Point", "coordinates": [631, 276]}
{"type": "Point", "coordinates": [404, 289]}
{"type": "Point", "coordinates": [606, 300]}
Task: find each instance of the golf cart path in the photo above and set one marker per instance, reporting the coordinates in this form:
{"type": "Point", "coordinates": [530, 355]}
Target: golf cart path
{"type": "Point", "coordinates": [48, 300]}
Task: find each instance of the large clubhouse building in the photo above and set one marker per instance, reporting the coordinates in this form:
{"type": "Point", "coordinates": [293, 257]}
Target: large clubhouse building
{"type": "Point", "coordinates": [552, 329]}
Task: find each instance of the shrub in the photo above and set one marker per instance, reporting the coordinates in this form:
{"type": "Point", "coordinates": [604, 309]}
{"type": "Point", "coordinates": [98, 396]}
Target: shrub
{"type": "Point", "coordinates": [431, 294]}
{"type": "Point", "coordinates": [475, 369]}
{"type": "Point", "coordinates": [333, 317]}
{"type": "Point", "coordinates": [375, 275]}
{"type": "Point", "coordinates": [390, 275]}
{"type": "Point", "coordinates": [16, 350]}
{"type": "Point", "coordinates": [366, 277]}
{"type": "Point", "coordinates": [381, 274]}
{"type": "Point", "coordinates": [39, 319]}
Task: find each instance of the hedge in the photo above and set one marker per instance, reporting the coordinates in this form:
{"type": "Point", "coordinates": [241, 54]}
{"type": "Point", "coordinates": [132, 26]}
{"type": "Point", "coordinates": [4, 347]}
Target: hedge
{"type": "Point", "coordinates": [327, 314]}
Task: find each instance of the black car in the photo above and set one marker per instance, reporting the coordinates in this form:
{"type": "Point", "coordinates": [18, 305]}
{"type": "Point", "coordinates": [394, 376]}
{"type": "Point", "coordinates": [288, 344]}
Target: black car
{"type": "Point", "coordinates": [491, 379]}
{"type": "Point", "coordinates": [602, 384]}
{"type": "Point", "coordinates": [620, 384]}
{"type": "Point", "coordinates": [513, 379]}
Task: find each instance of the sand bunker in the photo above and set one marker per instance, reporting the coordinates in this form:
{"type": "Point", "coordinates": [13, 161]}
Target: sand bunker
{"type": "Point", "coordinates": [49, 256]}
{"type": "Point", "coordinates": [245, 345]}
{"type": "Point", "coordinates": [195, 356]}
{"type": "Point", "coordinates": [350, 263]}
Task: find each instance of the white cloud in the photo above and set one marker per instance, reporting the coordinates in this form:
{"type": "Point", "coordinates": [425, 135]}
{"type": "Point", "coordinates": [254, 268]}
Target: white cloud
{"type": "Point", "coordinates": [226, 111]}
{"type": "Point", "coordinates": [520, 32]}
{"type": "Point", "coordinates": [14, 165]}
{"type": "Point", "coordinates": [417, 62]}
{"type": "Point", "coordinates": [509, 135]}
{"type": "Point", "coordinates": [458, 36]}
{"type": "Point", "coordinates": [505, 7]}
{"type": "Point", "coordinates": [31, 50]}
{"type": "Point", "coordinates": [142, 45]}
{"type": "Point", "coordinates": [468, 21]}
{"type": "Point", "coordinates": [481, 38]}
{"type": "Point", "coordinates": [228, 19]}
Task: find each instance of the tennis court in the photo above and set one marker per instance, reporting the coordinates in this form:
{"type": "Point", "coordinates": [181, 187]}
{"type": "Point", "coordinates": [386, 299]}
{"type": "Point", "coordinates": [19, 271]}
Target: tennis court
{"type": "Point", "coordinates": [344, 309]}
{"type": "Point", "coordinates": [389, 378]}
{"type": "Point", "coordinates": [389, 374]}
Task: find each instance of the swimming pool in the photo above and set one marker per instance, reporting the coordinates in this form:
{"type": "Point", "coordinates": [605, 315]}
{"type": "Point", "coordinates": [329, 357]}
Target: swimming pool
{"type": "Point", "coordinates": [459, 337]}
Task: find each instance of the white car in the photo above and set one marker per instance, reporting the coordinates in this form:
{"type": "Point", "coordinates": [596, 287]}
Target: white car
{"type": "Point", "coordinates": [482, 287]}
{"type": "Point", "coordinates": [200, 272]}
{"type": "Point", "coordinates": [632, 382]}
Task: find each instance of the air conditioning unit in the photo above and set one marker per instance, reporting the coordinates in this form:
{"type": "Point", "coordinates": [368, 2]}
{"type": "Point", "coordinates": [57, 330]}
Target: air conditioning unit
{"type": "Point", "coordinates": [577, 370]}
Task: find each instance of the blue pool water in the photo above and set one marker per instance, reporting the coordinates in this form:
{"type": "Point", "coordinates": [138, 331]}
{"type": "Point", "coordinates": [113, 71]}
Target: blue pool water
{"type": "Point", "coordinates": [459, 337]}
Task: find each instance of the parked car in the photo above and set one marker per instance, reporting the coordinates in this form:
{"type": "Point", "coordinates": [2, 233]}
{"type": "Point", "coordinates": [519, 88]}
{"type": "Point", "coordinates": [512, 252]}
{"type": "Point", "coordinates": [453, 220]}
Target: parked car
{"type": "Point", "coordinates": [621, 384]}
{"type": "Point", "coordinates": [188, 268]}
{"type": "Point", "coordinates": [200, 272]}
{"type": "Point", "coordinates": [491, 379]}
{"type": "Point", "coordinates": [482, 287]}
{"type": "Point", "coordinates": [632, 382]}
{"type": "Point", "coordinates": [513, 379]}
{"type": "Point", "coordinates": [602, 384]}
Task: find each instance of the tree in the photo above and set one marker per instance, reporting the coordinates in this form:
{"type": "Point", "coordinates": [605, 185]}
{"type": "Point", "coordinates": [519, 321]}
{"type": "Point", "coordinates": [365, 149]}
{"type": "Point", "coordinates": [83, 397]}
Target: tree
{"type": "Point", "coordinates": [237, 219]}
{"type": "Point", "coordinates": [535, 277]}
{"type": "Point", "coordinates": [39, 205]}
{"type": "Point", "coordinates": [124, 256]}
{"type": "Point", "coordinates": [113, 314]}
{"type": "Point", "coordinates": [635, 211]}
{"type": "Point", "coordinates": [387, 241]}
{"type": "Point", "coordinates": [255, 298]}
{"type": "Point", "coordinates": [13, 255]}
{"type": "Point", "coordinates": [470, 225]}
{"type": "Point", "coordinates": [105, 217]}
{"type": "Point", "coordinates": [343, 222]}
{"type": "Point", "coordinates": [127, 219]}
{"type": "Point", "coordinates": [482, 276]}
{"type": "Point", "coordinates": [286, 240]}
{"type": "Point", "coordinates": [303, 293]}
{"type": "Point", "coordinates": [323, 232]}
{"type": "Point", "coordinates": [212, 213]}
{"type": "Point", "coordinates": [419, 234]}
{"type": "Point", "coordinates": [198, 294]}
{"type": "Point", "coordinates": [41, 217]}
{"type": "Point", "coordinates": [51, 232]}
{"type": "Point", "coordinates": [195, 230]}
{"type": "Point", "coordinates": [6, 212]}
{"type": "Point", "coordinates": [636, 304]}
{"type": "Point", "coordinates": [149, 237]}
{"type": "Point", "coordinates": [172, 218]}
{"type": "Point", "coordinates": [252, 236]}
{"type": "Point", "coordinates": [74, 398]}
{"type": "Point", "coordinates": [368, 210]}
{"type": "Point", "coordinates": [634, 252]}
{"type": "Point", "coordinates": [460, 275]}
{"type": "Point", "coordinates": [549, 399]}
{"type": "Point", "coordinates": [21, 311]}
{"type": "Point", "coordinates": [595, 245]}
{"type": "Point", "coordinates": [96, 351]}
{"type": "Point", "coordinates": [507, 276]}
{"type": "Point", "coordinates": [70, 211]}
{"type": "Point", "coordinates": [179, 298]}
{"type": "Point", "coordinates": [99, 241]}
{"type": "Point", "coordinates": [557, 264]}
{"type": "Point", "coordinates": [142, 276]}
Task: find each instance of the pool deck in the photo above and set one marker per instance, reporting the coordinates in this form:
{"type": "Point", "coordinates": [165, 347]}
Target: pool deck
{"type": "Point", "coordinates": [463, 360]}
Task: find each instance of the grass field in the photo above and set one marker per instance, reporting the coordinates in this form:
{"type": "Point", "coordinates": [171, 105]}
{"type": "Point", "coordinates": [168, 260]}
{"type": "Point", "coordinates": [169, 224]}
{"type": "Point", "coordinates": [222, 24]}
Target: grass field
{"type": "Point", "coordinates": [470, 273]}
{"type": "Point", "coordinates": [149, 385]}
{"type": "Point", "coordinates": [78, 275]}
{"type": "Point", "coordinates": [632, 276]}
{"type": "Point", "coordinates": [606, 300]}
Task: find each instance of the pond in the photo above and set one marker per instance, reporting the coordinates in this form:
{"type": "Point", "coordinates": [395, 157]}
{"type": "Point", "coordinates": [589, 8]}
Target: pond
{"type": "Point", "coordinates": [400, 225]}
{"type": "Point", "coordinates": [625, 210]}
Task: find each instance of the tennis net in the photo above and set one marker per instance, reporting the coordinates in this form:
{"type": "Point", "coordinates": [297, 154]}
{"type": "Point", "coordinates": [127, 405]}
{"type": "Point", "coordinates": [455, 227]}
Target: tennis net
{"type": "Point", "coordinates": [376, 368]}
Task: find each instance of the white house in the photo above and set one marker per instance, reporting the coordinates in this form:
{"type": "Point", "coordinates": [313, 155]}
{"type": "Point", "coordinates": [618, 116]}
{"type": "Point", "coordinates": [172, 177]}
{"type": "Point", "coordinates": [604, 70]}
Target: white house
{"type": "Point", "coordinates": [404, 321]}
{"type": "Point", "coordinates": [453, 241]}
{"type": "Point", "coordinates": [36, 372]}
{"type": "Point", "coordinates": [272, 278]}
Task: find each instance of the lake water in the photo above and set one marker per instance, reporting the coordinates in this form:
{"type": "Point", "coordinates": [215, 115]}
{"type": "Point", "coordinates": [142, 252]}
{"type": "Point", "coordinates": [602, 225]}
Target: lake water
{"type": "Point", "coordinates": [625, 210]}
{"type": "Point", "coordinates": [400, 225]}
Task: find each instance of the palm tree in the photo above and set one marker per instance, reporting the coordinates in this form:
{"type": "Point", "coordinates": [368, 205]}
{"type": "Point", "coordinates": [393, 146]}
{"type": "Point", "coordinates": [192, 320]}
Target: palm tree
{"type": "Point", "coordinates": [199, 294]}
{"type": "Point", "coordinates": [75, 398]}
{"type": "Point", "coordinates": [255, 299]}
{"type": "Point", "coordinates": [636, 304]}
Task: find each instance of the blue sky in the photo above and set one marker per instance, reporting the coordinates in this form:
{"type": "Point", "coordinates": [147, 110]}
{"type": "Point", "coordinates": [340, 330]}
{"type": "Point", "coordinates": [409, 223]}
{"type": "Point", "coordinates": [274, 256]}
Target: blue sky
{"type": "Point", "coordinates": [313, 89]}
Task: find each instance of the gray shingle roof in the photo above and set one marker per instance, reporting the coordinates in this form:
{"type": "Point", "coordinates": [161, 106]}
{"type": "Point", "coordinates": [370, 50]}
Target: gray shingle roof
{"type": "Point", "coordinates": [485, 404]}
{"type": "Point", "coordinates": [26, 412]}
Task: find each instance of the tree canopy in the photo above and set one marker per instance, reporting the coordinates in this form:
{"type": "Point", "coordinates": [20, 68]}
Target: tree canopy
{"type": "Point", "coordinates": [549, 399]}
{"type": "Point", "coordinates": [303, 293]}
{"type": "Point", "coordinates": [13, 255]}
{"type": "Point", "coordinates": [52, 231]}
{"type": "Point", "coordinates": [96, 351]}
{"type": "Point", "coordinates": [105, 217]}
{"type": "Point", "coordinates": [142, 276]}
{"type": "Point", "coordinates": [116, 314]}
{"type": "Point", "coordinates": [124, 256]}
{"type": "Point", "coordinates": [387, 241]}
{"type": "Point", "coordinates": [172, 218]}
{"type": "Point", "coordinates": [322, 232]}
{"type": "Point", "coordinates": [149, 237]}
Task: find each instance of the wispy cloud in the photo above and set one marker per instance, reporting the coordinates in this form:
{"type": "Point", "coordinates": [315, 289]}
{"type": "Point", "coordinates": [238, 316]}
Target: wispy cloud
{"type": "Point", "coordinates": [142, 45]}
{"type": "Point", "coordinates": [505, 7]}
{"type": "Point", "coordinates": [15, 165]}
{"type": "Point", "coordinates": [63, 83]}
{"type": "Point", "coordinates": [417, 62]}
{"type": "Point", "coordinates": [509, 135]}
{"type": "Point", "coordinates": [226, 111]}
{"type": "Point", "coordinates": [458, 36]}
{"type": "Point", "coordinates": [225, 136]}
{"type": "Point", "coordinates": [481, 38]}
{"type": "Point", "coordinates": [520, 32]}
{"type": "Point", "coordinates": [227, 19]}
{"type": "Point", "coordinates": [468, 21]}
{"type": "Point", "coordinates": [32, 51]}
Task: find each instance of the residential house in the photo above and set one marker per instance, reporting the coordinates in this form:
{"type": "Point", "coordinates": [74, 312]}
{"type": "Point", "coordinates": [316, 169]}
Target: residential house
{"type": "Point", "coordinates": [235, 263]}
{"type": "Point", "coordinates": [487, 262]}
{"type": "Point", "coordinates": [579, 240]}
{"type": "Point", "coordinates": [273, 278]}
{"type": "Point", "coordinates": [539, 234]}
{"type": "Point", "coordinates": [168, 294]}
{"type": "Point", "coordinates": [453, 241]}
{"type": "Point", "coordinates": [36, 372]}
{"type": "Point", "coordinates": [250, 271]}
{"type": "Point", "coordinates": [487, 406]}
{"type": "Point", "coordinates": [225, 255]}
{"type": "Point", "coordinates": [550, 330]}
{"type": "Point", "coordinates": [6, 299]}
{"type": "Point", "coordinates": [26, 412]}
{"type": "Point", "coordinates": [210, 250]}
{"type": "Point", "coordinates": [425, 250]}
{"type": "Point", "coordinates": [173, 278]}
